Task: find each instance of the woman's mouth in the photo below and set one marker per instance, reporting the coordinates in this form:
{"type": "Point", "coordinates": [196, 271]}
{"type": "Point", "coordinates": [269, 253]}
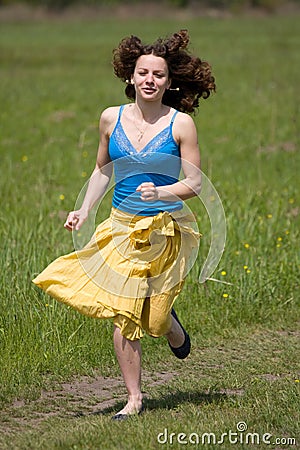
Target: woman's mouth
{"type": "Point", "coordinates": [149, 90]}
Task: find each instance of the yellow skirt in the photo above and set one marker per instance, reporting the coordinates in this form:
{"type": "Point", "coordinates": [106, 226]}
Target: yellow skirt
{"type": "Point", "coordinates": [132, 270]}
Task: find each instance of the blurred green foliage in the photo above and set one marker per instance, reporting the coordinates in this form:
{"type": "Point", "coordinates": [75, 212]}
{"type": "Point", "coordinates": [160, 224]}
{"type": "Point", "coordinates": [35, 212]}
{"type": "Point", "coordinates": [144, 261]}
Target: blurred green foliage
{"type": "Point", "coordinates": [269, 5]}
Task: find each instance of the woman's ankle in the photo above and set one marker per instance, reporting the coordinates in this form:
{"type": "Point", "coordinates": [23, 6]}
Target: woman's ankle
{"type": "Point", "coordinates": [135, 399]}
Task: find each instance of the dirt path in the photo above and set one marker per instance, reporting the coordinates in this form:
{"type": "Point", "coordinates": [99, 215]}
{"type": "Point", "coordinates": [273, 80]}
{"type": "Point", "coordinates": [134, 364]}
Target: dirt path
{"type": "Point", "coordinates": [271, 353]}
{"type": "Point", "coordinates": [84, 396]}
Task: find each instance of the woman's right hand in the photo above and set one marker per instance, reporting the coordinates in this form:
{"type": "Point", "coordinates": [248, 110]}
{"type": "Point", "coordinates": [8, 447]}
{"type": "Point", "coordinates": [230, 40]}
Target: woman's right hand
{"type": "Point", "coordinates": [75, 219]}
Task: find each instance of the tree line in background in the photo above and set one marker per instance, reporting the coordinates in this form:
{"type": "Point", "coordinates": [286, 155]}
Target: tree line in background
{"type": "Point", "coordinates": [224, 4]}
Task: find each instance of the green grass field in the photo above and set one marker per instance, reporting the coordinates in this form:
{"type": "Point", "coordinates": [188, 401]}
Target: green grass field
{"type": "Point", "coordinates": [59, 379]}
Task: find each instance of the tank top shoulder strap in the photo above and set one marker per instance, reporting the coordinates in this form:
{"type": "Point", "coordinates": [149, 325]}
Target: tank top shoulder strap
{"type": "Point", "coordinates": [172, 119]}
{"type": "Point", "coordinates": [118, 121]}
{"type": "Point", "coordinates": [120, 112]}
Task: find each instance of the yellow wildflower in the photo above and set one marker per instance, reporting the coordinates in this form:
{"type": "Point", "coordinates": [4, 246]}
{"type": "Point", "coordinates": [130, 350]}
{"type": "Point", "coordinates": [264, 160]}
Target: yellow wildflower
{"type": "Point", "coordinates": [246, 245]}
{"type": "Point", "coordinates": [84, 154]}
{"type": "Point", "coordinates": [61, 197]}
{"type": "Point", "coordinates": [83, 174]}
{"type": "Point", "coordinates": [225, 295]}
{"type": "Point", "coordinates": [24, 158]}
{"type": "Point", "coordinates": [269, 216]}
{"type": "Point", "coordinates": [223, 273]}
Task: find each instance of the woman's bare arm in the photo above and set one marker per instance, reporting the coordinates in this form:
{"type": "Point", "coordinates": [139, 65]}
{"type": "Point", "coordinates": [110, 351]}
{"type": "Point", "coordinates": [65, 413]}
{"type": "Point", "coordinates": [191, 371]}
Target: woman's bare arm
{"type": "Point", "coordinates": [100, 176]}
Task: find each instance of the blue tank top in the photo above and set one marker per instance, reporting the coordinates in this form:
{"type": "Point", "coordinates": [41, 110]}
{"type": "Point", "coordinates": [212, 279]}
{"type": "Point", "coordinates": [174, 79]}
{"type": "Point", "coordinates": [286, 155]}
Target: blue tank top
{"type": "Point", "coordinates": [158, 162]}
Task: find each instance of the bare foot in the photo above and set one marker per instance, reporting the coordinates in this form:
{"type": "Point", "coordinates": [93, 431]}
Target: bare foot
{"type": "Point", "coordinates": [133, 406]}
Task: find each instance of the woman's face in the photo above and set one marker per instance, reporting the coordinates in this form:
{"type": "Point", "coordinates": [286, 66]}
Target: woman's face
{"type": "Point", "coordinates": [151, 77]}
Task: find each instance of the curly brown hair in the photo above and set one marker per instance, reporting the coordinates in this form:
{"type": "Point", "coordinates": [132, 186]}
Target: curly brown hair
{"type": "Point", "coordinates": [191, 78]}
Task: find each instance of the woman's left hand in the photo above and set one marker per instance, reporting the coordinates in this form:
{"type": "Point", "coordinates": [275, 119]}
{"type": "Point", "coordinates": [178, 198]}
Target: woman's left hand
{"type": "Point", "coordinates": [148, 191]}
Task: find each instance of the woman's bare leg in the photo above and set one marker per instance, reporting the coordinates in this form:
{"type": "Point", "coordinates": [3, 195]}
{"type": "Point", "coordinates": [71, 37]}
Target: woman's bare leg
{"type": "Point", "coordinates": [129, 358]}
{"type": "Point", "coordinates": [175, 336]}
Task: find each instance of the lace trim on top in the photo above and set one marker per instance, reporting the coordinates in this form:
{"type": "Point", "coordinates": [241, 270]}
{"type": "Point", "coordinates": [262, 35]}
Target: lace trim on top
{"type": "Point", "coordinates": [126, 147]}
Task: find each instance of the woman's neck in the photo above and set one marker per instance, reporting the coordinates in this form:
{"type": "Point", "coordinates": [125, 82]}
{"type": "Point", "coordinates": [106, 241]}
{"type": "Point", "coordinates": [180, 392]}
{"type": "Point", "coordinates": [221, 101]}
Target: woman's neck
{"type": "Point", "coordinates": [149, 111]}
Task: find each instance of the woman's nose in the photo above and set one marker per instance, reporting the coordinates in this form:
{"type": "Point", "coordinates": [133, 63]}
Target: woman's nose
{"type": "Point", "coordinates": [149, 78]}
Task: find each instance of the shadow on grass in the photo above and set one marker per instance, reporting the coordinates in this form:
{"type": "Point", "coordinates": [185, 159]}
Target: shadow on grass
{"type": "Point", "coordinates": [169, 401]}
